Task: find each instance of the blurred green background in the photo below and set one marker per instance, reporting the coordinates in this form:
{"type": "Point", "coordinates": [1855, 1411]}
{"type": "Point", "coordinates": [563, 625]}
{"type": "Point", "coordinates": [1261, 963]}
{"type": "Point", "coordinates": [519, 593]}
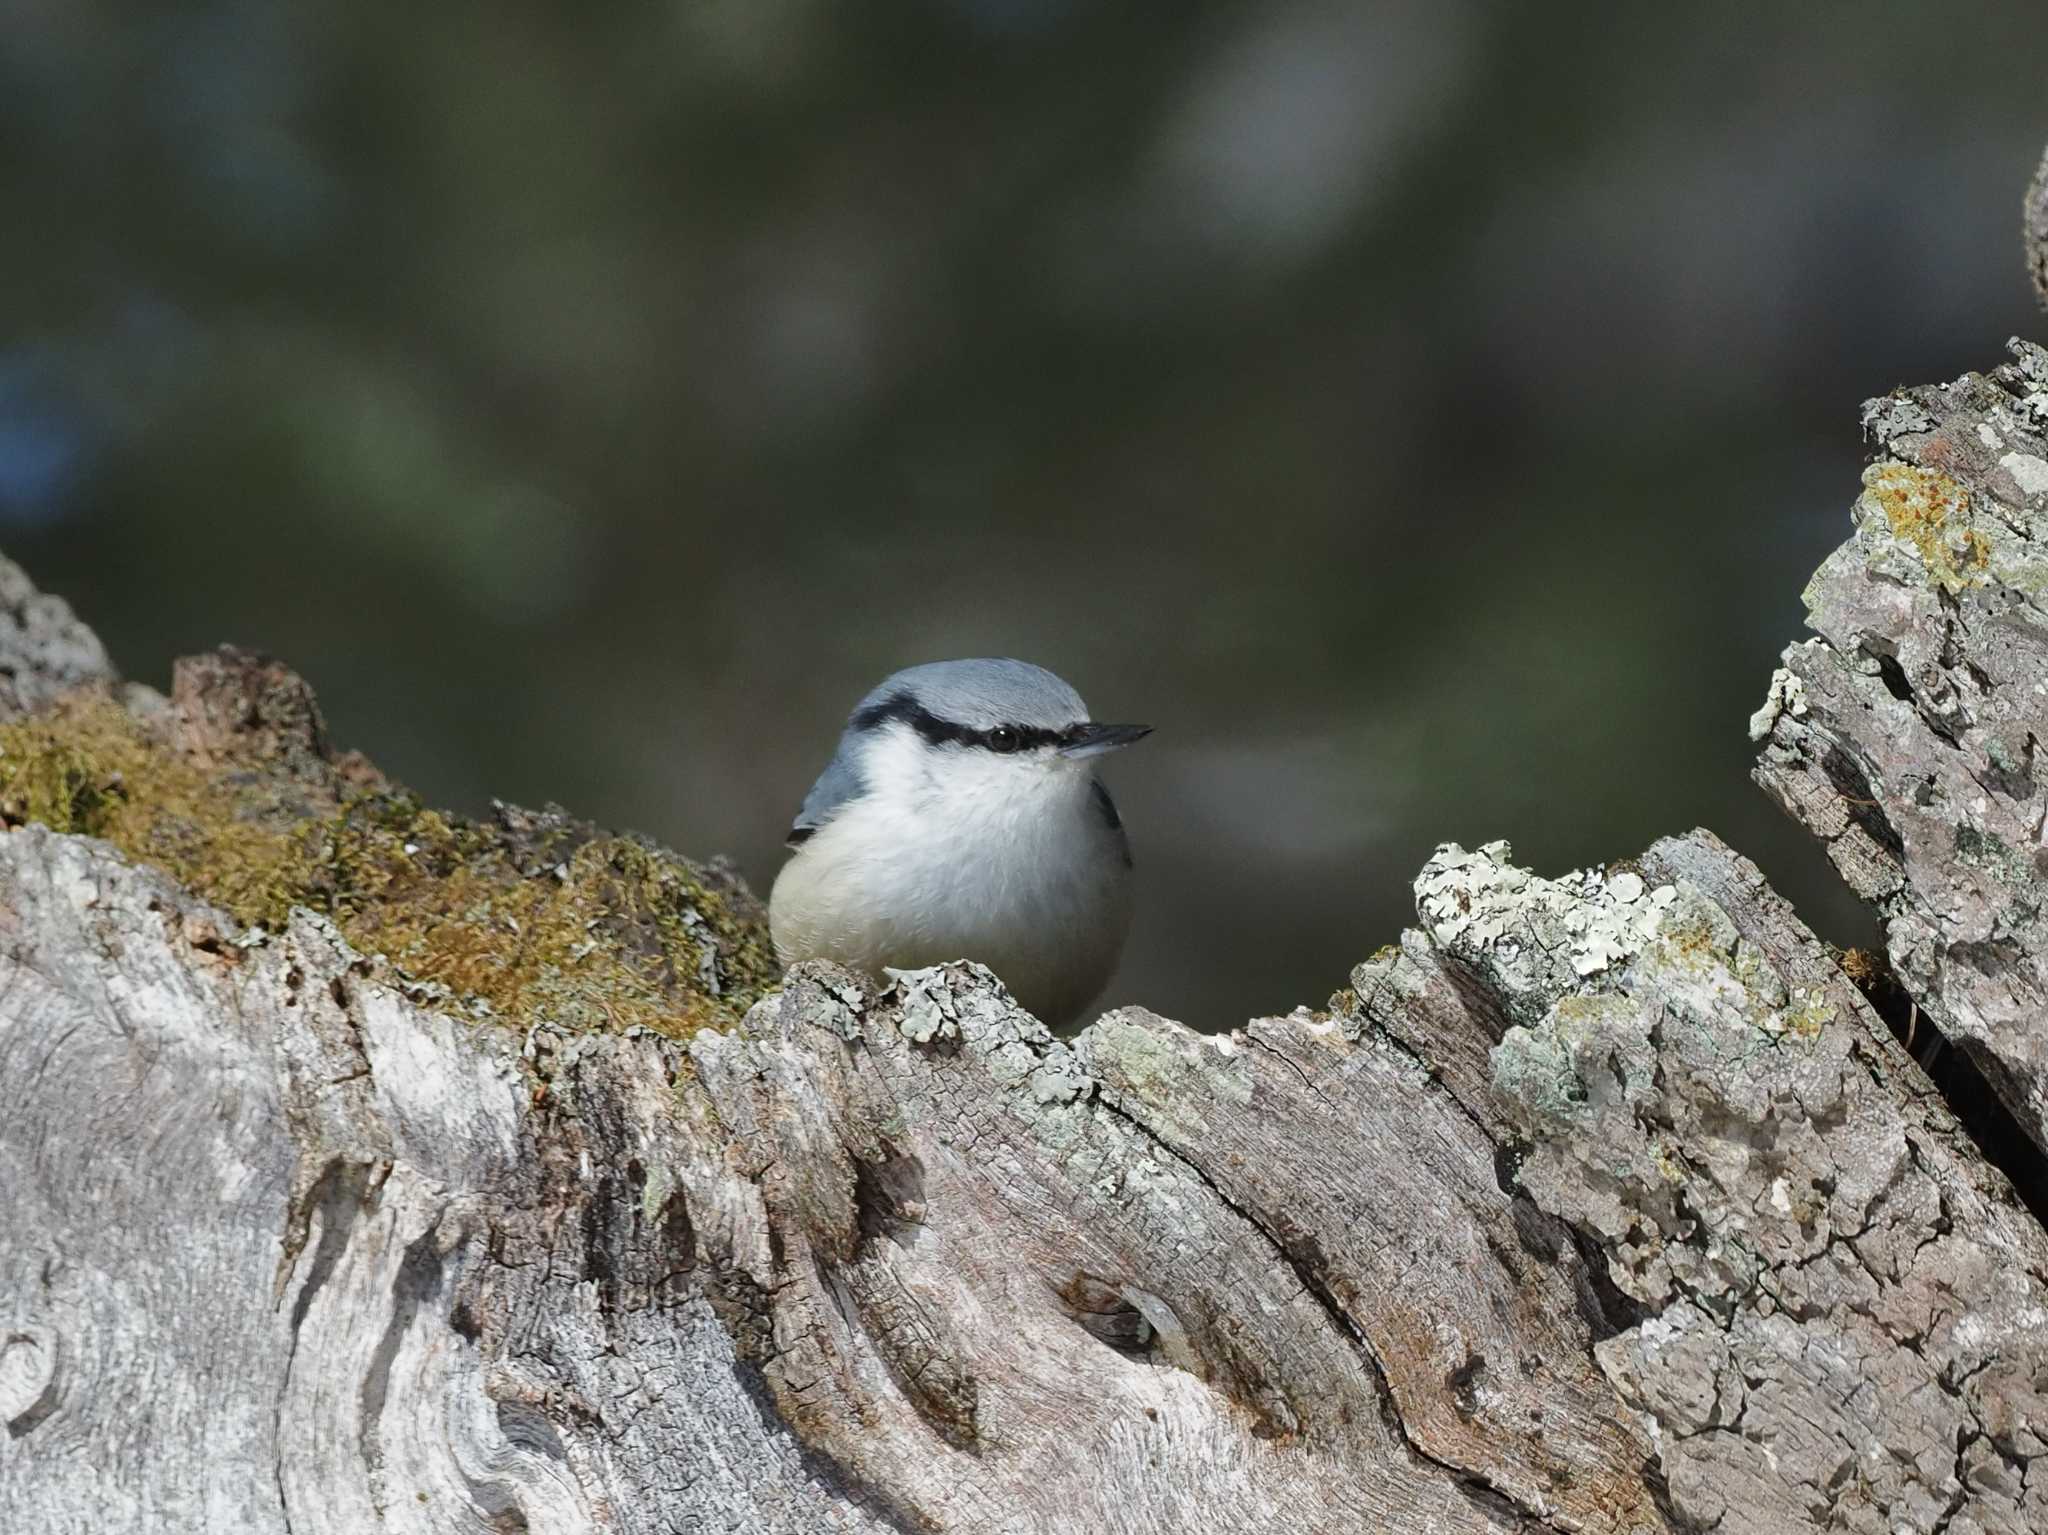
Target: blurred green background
{"type": "Point", "coordinates": [1426, 415]}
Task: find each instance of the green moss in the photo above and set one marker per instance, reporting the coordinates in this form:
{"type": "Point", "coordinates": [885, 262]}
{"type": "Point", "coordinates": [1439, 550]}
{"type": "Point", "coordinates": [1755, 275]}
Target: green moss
{"type": "Point", "coordinates": [90, 769]}
{"type": "Point", "coordinates": [612, 934]}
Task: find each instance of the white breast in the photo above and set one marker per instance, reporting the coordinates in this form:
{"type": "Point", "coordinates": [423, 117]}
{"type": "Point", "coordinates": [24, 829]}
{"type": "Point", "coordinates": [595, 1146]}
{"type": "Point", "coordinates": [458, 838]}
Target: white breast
{"type": "Point", "coordinates": [963, 854]}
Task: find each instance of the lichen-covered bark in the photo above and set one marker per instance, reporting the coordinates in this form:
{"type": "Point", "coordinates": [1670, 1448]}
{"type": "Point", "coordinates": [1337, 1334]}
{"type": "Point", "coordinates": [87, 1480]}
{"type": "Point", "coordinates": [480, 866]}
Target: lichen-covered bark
{"type": "Point", "coordinates": [1702, 1247]}
{"type": "Point", "coordinates": [44, 649]}
{"type": "Point", "coordinates": [1836, 1310]}
{"type": "Point", "coordinates": [1906, 735]}
{"type": "Point", "coordinates": [335, 1196]}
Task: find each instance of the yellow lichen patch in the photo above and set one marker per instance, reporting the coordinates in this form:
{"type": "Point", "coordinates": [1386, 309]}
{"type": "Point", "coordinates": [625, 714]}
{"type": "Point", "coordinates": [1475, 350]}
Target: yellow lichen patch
{"type": "Point", "coordinates": [1930, 511]}
{"type": "Point", "coordinates": [612, 934]}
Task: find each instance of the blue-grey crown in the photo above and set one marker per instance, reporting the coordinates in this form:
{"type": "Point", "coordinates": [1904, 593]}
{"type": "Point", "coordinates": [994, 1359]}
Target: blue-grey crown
{"type": "Point", "coordinates": [1006, 705]}
{"type": "Point", "coordinates": [976, 695]}
{"type": "Point", "coordinates": [1003, 705]}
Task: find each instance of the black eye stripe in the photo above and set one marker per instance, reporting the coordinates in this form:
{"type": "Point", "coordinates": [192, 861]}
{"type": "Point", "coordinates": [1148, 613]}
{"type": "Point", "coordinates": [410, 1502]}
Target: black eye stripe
{"type": "Point", "coordinates": [1027, 736]}
{"type": "Point", "coordinates": [941, 732]}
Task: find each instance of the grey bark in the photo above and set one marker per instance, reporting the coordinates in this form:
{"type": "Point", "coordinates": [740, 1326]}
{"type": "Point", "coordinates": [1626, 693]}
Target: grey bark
{"type": "Point", "coordinates": [291, 1252]}
{"type": "Point", "coordinates": [44, 649]}
{"type": "Point", "coordinates": [2034, 230]}
{"type": "Point", "coordinates": [1602, 1203]}
{"type": "Point", "coordinates": [1906, 735]}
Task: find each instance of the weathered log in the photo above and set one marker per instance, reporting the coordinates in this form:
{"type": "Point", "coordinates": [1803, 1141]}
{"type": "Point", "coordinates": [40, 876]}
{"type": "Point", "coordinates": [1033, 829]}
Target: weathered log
{"type": "Point", "coordinates": [1604, 1203]}
{"type": "Point", "coordinates": [1906, 735]}
{"type": "Point", "coordinates": [362, 1167]}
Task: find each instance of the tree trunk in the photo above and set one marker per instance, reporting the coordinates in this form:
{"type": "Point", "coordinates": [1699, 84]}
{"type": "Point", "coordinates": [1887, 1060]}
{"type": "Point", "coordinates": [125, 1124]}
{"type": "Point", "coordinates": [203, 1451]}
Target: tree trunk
{"type": "Point", "coordinates": [361, 1168]}
{"type": "Point", "coordinates": [1905, 735]}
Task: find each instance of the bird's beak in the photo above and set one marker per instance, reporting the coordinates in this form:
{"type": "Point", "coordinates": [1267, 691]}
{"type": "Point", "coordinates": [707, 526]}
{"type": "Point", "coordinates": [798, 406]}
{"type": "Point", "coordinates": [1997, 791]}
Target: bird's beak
{"type": "Point", "coordinates": [1094, 740]}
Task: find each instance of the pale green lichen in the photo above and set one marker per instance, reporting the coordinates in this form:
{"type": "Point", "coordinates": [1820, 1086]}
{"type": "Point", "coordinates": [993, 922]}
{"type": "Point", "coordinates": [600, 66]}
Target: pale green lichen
{"type": "Point", "coordinates": [1380, 984]}
{"type": "Point", "coordinates": [1787, 695]}
{"type": "Point", "coordinates": [1535, 938]}
{"type": "Point", "coordinates": [661, 1183]}
{"type": "Point", "coordinates": [1994, 856]}
{"type": "Point", "coordinates": [2015, 761]}
{"type": "Point", "coordinates": [2029, 472]}
{"type": "Point", "coordinates": [1539, 1067]}
{"type": "Point", "coordinates": [1173, 1076]}
{"type": "Point", "coordinates": [1806, 1013]}
{"type": "Point", "coordinates": [927, 1012]}
{"type": "Point", "coordinates": [1560, 953]}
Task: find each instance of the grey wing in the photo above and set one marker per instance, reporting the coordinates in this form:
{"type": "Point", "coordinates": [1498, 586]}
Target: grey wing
{"type": "Point", "coordinates": [839, 783]}
{"type": "Point", "coordinates": [1106, 808]}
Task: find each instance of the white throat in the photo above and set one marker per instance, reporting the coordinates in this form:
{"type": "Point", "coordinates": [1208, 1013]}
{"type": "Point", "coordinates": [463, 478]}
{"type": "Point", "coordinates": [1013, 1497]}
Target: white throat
{"type": "Point", "coordinates": [957, 852]}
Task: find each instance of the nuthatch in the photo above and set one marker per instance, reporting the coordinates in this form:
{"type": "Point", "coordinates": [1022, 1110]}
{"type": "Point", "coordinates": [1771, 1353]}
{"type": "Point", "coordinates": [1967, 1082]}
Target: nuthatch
{"type": "Point", "coordinates": [961, 818]}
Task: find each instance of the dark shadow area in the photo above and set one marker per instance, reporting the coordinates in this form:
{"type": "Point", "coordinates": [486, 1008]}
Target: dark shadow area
{"type": "Point", "coordinates": [1959, 1080]}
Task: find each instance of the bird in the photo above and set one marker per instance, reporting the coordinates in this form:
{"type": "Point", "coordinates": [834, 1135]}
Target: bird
{"type": "Point", "coordinates": [961, 818]}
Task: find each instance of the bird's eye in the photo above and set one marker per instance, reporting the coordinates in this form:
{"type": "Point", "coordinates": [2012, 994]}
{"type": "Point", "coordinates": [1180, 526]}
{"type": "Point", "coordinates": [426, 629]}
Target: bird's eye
{"type": "Point", "coordinates": [1003, 739]}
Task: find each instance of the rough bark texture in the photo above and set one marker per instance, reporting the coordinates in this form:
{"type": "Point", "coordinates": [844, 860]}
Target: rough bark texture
{"type": "Point", "coordinates": [44, 649]}
{"type": "Point", "coordinates": [2034, 231]}
{"type": "Point", "coordinates": [1906, 736]}
{"type": "Point", "coordinates": [1597, 1204]}
{"type": "Point", "coordinates": [1603, 1203]}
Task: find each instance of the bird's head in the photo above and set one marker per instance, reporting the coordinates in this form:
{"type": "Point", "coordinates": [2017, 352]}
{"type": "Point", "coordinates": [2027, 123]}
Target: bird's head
{"type": "Point", "coordinates": [992, 708]}
{"type": "Point", "coordinates": [974, 730]}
